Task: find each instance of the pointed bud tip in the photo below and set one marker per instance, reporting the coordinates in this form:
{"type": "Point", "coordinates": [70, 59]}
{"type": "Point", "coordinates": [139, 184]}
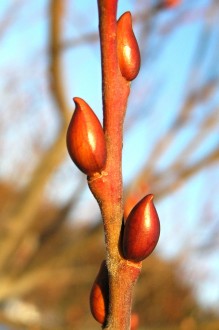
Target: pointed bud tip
{"type": "Point", "coordinates": [127, 16]}
{"type": "Point", "coordinates": [142, 230]}
{"type": "Point", "coordinates": [79, 102]}
{"type": "Point", "coordinates": [85, 139]}
{"type": "Point", "coordinates": [150, 197]}
{"type": "Point", "coordinates": [127, 46]}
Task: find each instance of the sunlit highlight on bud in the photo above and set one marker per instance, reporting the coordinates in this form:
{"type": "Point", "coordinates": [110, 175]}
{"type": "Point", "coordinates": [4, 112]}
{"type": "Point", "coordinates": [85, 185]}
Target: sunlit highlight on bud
{"type": "Point", "coordinates": [99, 295]}
{"type": "Point", "coordinates": [127, 46]}
{"type": "Point", "coordinates": [85, 139]}
{"type": "Point", "coordinates": [142, 230]}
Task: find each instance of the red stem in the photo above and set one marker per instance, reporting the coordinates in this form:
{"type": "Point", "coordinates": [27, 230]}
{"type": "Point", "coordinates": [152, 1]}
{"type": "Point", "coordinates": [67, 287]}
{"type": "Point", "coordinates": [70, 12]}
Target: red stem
{"type": "Point", "coordinates": [115, 88]}
{"type": "Point", "coordinates": [107, 188]}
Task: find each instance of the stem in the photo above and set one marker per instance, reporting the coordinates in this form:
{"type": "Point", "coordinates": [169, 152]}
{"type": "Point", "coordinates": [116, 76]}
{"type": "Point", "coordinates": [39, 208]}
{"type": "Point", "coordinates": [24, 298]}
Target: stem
{"type": "Point", "coordinates": [108, 187]}
{"type": "Point", "coordinates": [115, 94]}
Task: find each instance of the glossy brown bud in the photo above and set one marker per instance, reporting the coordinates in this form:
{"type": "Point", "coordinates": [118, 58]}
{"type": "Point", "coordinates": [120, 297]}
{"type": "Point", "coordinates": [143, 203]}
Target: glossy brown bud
{"type": "Point", "coordinates": [128, 51]}
{"type": "Point", "coordinates": [142, 230]}
{"type": "Point", "coordinates": [85, 139]}
{"type": "Point", "coordinates": [99, 295]}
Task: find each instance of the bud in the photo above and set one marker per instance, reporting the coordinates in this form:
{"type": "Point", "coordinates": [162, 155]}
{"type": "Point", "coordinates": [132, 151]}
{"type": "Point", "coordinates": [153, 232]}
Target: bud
{"type": "Point", "coordinates": [142, 230]}
{"type": "Point", "coordinates": [134, 321]}
{"type": "Point", "coordinates": [99, 296]}
{"type": "Point", "coordinates": [85, 139]}
{"type": "Point", "coordinates": [128, 51]}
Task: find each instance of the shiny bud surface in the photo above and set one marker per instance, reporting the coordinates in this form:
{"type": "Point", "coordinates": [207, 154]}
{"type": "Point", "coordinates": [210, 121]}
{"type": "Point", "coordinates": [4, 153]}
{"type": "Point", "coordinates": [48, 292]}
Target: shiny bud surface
{"type": "Point", "coordinates": [85, 139]}
{"type": "Point", "coordinates": [127, 47]}
{"type": "Point", "coordinates": [99, 295]}
{"type": "Point", "coordinates": [142, 230]}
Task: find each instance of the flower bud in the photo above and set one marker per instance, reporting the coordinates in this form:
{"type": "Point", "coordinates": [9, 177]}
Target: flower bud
{"type": "Point", "coordinates": [142, 230]}
{"type": "Point", "coordinates": [85, 139]}
{"type": "Point", "coordinates": [99, 296]}
{"type": "Point", "coordinates": [128, 51]}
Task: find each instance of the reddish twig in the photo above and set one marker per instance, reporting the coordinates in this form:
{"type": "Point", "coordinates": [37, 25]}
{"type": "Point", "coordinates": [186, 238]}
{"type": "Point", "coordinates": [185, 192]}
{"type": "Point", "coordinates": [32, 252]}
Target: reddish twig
{"type": "Point", "coordinates": [98, 153]}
